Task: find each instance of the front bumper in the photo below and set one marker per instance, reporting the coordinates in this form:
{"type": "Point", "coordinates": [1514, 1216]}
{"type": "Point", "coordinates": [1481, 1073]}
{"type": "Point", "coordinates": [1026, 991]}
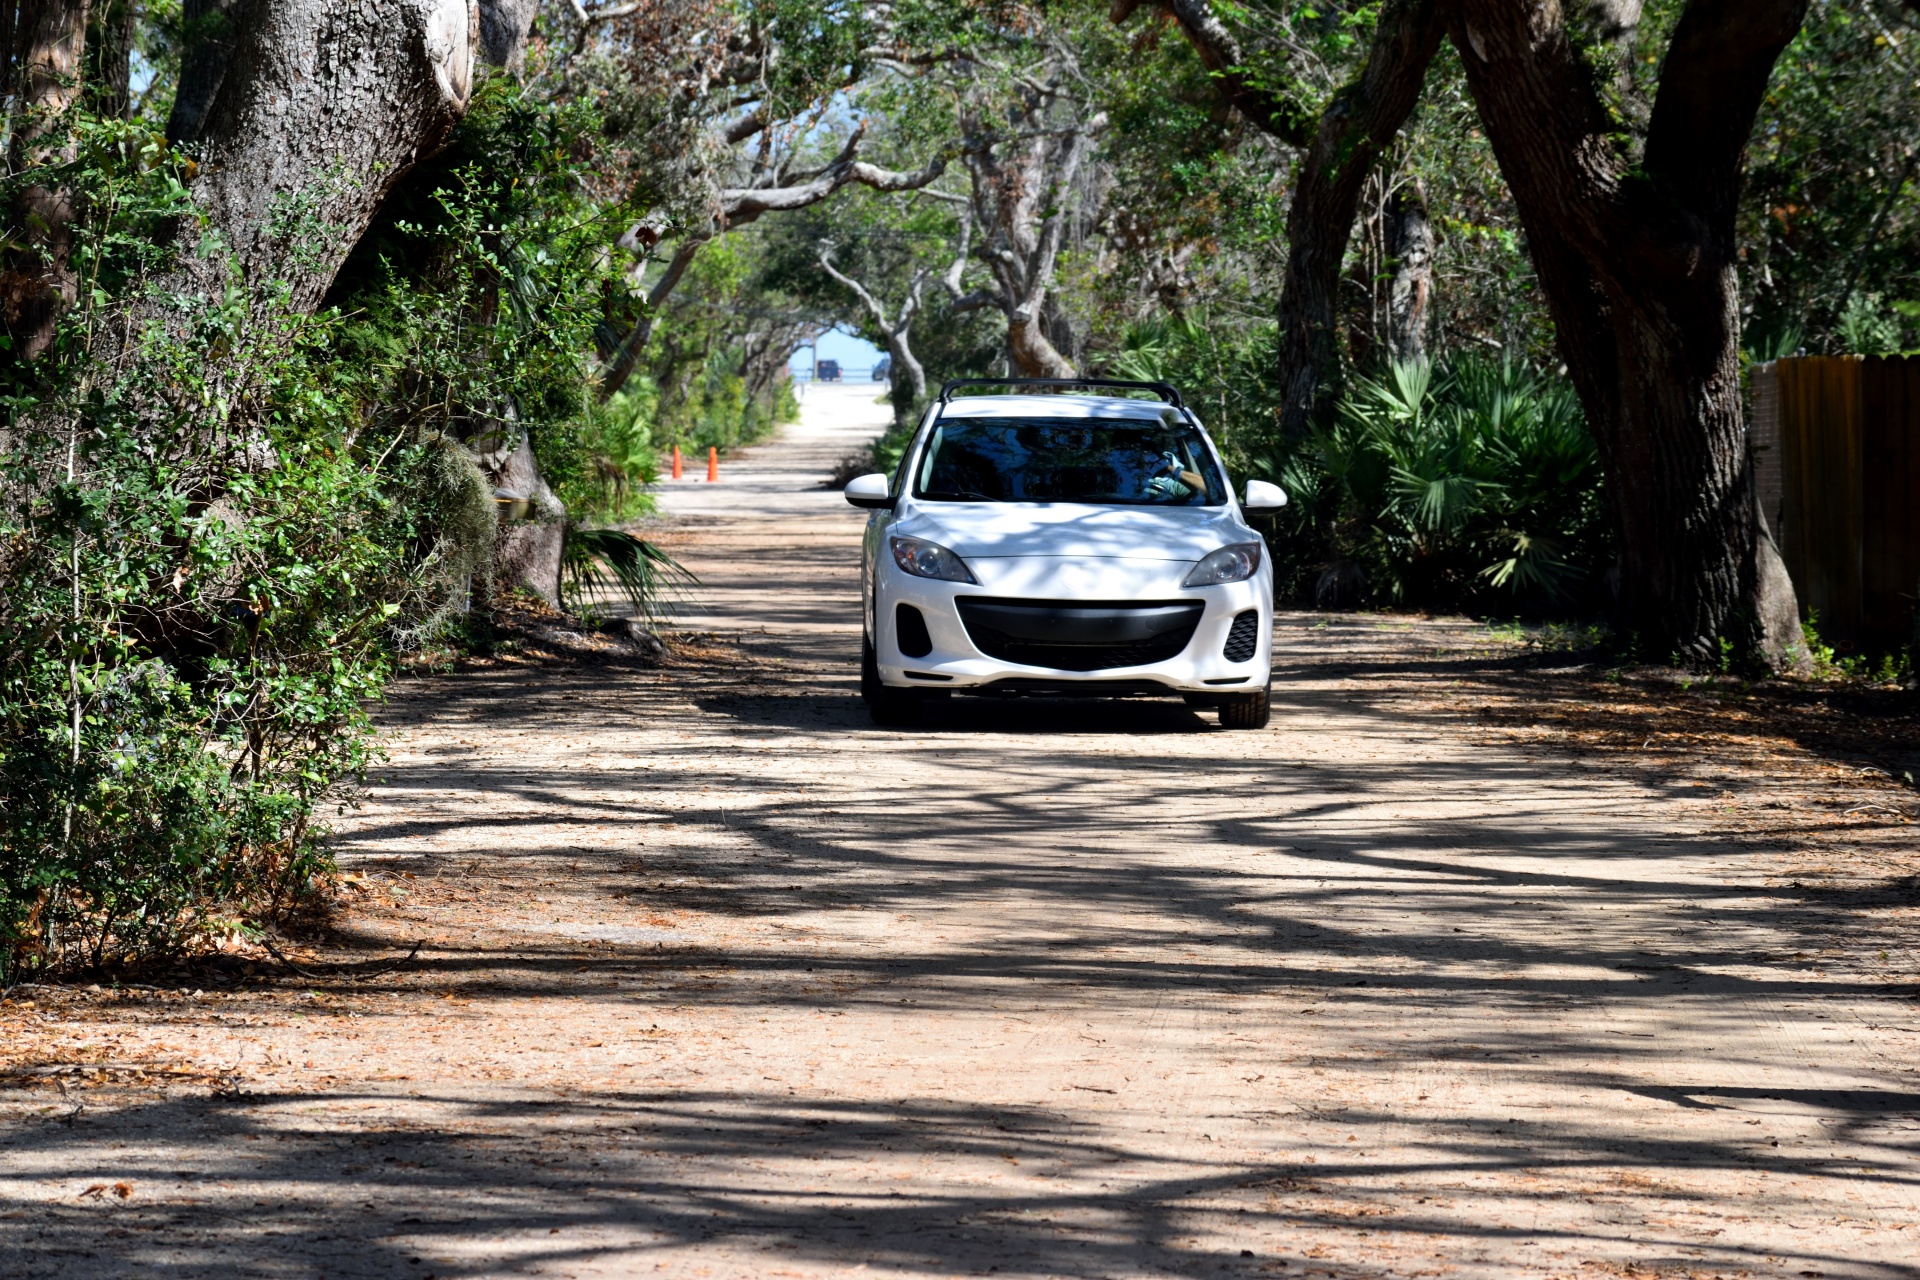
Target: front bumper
{"type": "Point", "coordinates": [955, 662]}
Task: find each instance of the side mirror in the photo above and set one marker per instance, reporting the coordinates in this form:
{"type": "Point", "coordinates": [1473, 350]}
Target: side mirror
{"type": "Point", "coordinates": [870, 492]}
{"type": "Point", "coordinates": [1261, 496]}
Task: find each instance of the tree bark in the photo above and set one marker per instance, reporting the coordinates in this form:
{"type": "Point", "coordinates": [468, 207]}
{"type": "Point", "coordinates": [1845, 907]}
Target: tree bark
{"type": "Point", "coordinates": [320, 108]}
{"type": "Point", "coordinates": [504, 25]}
{"type": "Point", "coordinates": [47, 48]}
{"type": "Point", "coordinates": [1637, 263]}
{"type": "Point", "coordinates": [1410, 248]}
{"type": "Point", "coordinates": [110, 56]}
{"type": "Point", "coordinates": [208, 27]}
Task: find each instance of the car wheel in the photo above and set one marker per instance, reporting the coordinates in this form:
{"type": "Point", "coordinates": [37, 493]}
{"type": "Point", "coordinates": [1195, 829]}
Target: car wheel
{"type": "Point", "coordinates": [1246, 710]}
{"type": "Point", "coordinates": [888, 706]}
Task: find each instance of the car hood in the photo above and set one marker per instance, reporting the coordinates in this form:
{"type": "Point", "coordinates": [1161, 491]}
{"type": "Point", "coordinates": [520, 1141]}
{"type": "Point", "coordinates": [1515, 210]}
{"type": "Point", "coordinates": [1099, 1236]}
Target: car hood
{"type": "Point", "coordinates": [987, 530]}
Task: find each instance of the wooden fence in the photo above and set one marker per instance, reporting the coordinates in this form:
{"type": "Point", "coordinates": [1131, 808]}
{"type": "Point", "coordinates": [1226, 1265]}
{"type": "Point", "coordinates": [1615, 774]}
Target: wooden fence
{"type": "Point", "coordinates": [1836, 443]}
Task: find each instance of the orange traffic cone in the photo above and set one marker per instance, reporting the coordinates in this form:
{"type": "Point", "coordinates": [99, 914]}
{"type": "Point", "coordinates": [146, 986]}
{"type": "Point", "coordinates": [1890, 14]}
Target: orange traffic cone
{"type": "Point", "coordinates": [713, 464]}
{"type": "Point", "coordinates": [676, 462]}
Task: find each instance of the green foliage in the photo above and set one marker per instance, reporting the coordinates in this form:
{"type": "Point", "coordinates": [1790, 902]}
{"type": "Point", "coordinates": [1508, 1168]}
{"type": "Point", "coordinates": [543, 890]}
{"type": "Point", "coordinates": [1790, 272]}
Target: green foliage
{"type": "Point", "coordinates": [474, 300]}
{"type": "Point", "coordinates": [1829, 224]}
{"type": "Point", "coordinates": [1868, 327]}
{"type": "Point", "coordinates": [1222, 369]}
{"type": "Point", "coordinates": [1471, 485]}
{"type": "Point", "coordinates": [206, 560]}
{"type": "Point", "coordinates": [223, 520]}
{"type": "Point", "coordinates": [719, 352]}
{"type": "Point", "coordinates": [618, 440]}
{"type": "Point", "coordinates": [1826, 663]}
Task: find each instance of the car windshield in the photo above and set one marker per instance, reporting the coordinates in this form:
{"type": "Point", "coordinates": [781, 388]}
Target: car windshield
{"type": "Point", "coordinates": [1134, 462]}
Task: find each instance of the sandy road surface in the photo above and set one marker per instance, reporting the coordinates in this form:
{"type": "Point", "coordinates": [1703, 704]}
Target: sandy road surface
{"type": "Point", "coordinates": [722, 981]}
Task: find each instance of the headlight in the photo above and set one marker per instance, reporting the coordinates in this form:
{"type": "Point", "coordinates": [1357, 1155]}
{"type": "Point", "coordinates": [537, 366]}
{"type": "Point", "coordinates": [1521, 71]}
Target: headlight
{"type": "Point", "coordinates": [1236, 563]}
{"type": "Point", "coordinates": [925, 559]}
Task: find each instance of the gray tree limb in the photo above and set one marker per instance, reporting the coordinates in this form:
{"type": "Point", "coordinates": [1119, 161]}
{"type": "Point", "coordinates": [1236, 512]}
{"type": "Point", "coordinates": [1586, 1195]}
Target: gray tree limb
{"type": "Point", "coordinates": [908, 378]}
{"type": "Point", "coordinates": [1285, 118]}
{"type": "Point", "coordinates": [736, 207]}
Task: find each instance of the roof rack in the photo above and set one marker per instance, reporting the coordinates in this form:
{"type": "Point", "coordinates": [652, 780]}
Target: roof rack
{"type": "Point", "coordinates": [1161, 389]}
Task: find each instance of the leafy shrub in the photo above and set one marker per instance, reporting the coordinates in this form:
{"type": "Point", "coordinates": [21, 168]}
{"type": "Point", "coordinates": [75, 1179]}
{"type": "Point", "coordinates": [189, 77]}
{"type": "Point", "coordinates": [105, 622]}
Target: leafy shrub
{"type": "Point", "coordinates": [220, 521]}
{"type": "Point", "coordinates": [1471, 485]}
{"type": "Point", "coordinates": [621, 450]}
{"type": "Point", "coordinates": [202, 567]}
{"type": "Point", "coordinates": [474, 299]}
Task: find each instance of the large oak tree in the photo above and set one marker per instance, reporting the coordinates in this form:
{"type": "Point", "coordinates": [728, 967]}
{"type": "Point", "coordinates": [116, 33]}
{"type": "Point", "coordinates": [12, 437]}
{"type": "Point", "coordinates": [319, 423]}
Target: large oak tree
{"type": "Point", "coordinates": [1630, 223]}
{"type": "Point", "coordinates": [1631, 230]}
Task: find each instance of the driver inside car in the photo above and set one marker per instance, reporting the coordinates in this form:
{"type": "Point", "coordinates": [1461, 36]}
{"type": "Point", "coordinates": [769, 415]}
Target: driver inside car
{"type": "Point", "coordinates": [1173, 482]}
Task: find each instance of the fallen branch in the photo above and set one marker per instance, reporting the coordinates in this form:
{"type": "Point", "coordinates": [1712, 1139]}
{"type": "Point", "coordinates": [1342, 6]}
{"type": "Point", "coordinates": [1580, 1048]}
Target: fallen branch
{"type": "Point", "coordinates": [274, 951]}
{"type": "Point", "coordinates": [406, 959]}
{"type": "Point", "coordinates": [374, 973]}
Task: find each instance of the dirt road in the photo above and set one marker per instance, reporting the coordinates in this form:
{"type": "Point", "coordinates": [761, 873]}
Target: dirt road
{"type": "Point", "coordinates": [720, 980]}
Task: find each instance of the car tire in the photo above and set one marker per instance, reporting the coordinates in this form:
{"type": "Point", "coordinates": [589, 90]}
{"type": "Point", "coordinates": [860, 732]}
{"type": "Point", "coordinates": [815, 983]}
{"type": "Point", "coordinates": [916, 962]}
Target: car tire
{"type": "Point", "coordinates": [1246, 710]}
{"type": "Point", "coordinates": [889, 707]}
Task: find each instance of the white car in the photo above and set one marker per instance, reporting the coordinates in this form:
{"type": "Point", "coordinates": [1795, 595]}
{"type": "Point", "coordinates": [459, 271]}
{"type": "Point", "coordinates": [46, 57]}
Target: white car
{"type": "Point", "coordinates": [1046, 543]}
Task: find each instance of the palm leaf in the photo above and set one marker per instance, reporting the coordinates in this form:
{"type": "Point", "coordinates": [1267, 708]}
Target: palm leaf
{"type": "Point", "coordinates": [616, 562]}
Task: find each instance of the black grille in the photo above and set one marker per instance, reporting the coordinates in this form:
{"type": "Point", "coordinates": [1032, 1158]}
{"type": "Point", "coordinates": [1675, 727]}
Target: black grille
{"type": "Point", "coordinates": [910, 632]}
{"type": "Point", "coordinates": [1243, 638]}
{"type": "Point", "coordinates": [1072, 635]}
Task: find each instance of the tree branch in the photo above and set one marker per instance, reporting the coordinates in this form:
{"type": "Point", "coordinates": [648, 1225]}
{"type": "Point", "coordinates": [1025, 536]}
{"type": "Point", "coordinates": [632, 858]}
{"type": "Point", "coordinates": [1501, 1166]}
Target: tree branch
{"type": "Point", "coordinates": [1283, 117]}
{"type": "Point", "coordinates": [1358, 122]}
{"type": "Point", "coordinates": [871, 303]}
{"type": "Point", "coordinates": [1040, 276]}
{"type": "Point", "coordinates": [624, 358]}
{"type": "Point", "coordinates": [745, 127]}
{"type": "Point", "coordinates": [951, 280]}
{"type": "Point", "coordinates": [1716, 71]}
{"type": "Point", "coordinates": [676, 268]}
{"type": "Point", "coordinates": [741, 205]}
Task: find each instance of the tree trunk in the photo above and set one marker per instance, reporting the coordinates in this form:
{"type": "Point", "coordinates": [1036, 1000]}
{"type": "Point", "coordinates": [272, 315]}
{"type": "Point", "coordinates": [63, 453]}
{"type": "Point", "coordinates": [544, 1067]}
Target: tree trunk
{"type": "Point", "coordinates": [909, 377]}
{"type": "Point", "coordinates": [1356, 125]}
{"type": "Point", "coordinates": [504, 25]}
{"type": "Point", "coordinates": [906, 379]}
{"type": "Point", "coordinates": [1025, 169]}
{"type": "Point", "coordinates": [320, 108]}
{"type": "Point", "coordinates": [1032, 354]}
{"type": "Point", "coordinates": [1637, 263]}
{"type": "Point", "coordinates": [47, 47]}
{"type": "Point", "coordinates": [1410, 247]}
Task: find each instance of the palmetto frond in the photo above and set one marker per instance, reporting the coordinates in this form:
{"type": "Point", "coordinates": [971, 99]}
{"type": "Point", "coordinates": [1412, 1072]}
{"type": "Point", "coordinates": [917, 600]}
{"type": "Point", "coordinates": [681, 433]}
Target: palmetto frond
{"type": "Point", "coordinates": [616, 562]}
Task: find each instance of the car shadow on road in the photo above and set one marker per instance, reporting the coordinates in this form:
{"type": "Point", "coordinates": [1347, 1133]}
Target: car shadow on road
{"type": "Point", "coordinates": [969, 715]}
